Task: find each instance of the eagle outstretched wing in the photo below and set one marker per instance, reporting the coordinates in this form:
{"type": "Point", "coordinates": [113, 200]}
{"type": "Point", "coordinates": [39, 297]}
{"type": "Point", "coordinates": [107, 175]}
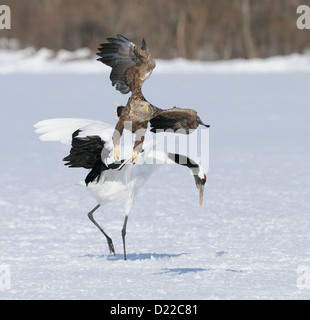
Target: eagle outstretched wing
{"type": "Point", "coordinates": [176, 119]}
{"type": "Point", "coordinates": [130, 64]}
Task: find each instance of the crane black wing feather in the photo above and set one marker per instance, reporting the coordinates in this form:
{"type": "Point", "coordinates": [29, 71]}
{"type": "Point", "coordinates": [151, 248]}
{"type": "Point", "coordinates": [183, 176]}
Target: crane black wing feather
{"type": "Point", "coordinates": [86, 153]}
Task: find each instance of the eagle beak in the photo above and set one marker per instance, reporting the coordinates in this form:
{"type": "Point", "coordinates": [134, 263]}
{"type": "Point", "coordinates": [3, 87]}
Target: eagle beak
{"type": "Point", "coordinates": [146, 108]}
{"type": "Point", "coordinates": [201, 190]}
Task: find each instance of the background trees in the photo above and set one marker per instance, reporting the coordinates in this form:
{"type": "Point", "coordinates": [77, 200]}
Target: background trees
{"type": "Point", "coordinates": [193, 29]}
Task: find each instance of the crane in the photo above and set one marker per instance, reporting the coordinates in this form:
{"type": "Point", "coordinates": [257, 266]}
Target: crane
{"type": "Point", "coordinates": [109, 180]}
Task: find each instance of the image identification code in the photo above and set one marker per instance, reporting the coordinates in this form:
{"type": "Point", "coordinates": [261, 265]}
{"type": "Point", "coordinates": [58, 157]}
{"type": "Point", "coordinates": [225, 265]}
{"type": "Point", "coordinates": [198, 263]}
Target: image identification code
{"type": "Point", "coordinates": [175, 309]}
{"type": "Point", "coordinates": [157, 309]}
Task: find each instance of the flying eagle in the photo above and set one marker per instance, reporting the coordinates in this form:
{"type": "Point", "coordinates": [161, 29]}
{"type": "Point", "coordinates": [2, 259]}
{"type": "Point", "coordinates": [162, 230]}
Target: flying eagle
{"type": "Point", "coordinates": [131, 66]}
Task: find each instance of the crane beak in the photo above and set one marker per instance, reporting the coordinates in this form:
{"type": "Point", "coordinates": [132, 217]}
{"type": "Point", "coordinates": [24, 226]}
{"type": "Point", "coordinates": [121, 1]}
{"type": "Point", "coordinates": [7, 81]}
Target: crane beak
{"type": "Point", "coordinates": [201, 190]}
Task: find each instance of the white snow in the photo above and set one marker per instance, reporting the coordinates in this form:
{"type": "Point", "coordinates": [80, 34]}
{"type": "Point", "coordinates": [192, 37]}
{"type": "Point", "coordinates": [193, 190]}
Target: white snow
{"type": "Point", "coordinates": [247, 241]}
{"type": "Point", "coordinates": [83, 61]}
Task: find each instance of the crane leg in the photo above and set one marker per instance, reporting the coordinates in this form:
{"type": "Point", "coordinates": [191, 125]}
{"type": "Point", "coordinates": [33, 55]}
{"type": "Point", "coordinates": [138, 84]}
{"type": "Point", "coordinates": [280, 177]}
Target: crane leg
{"type": "Point", "coordinates": [110, 243]}
{"type": "Point", "coordinates": [123, 235]}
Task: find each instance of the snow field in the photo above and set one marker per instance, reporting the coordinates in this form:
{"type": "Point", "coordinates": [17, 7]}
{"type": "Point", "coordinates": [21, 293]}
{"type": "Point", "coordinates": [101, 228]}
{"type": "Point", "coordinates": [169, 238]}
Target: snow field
{"type": "Point", "coordinates": [246, 242]}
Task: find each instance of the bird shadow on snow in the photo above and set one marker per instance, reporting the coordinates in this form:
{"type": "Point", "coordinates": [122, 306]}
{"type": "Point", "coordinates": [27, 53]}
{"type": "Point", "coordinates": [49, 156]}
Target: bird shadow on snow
{"type": "Point", "coordinates": [158, 256]}
{"type": "Point", "coordinates": [182, 270]}
{"type": "Point", "coordinates": [136, 256]}
{"type": "Point", "coordinates": [195, 270]}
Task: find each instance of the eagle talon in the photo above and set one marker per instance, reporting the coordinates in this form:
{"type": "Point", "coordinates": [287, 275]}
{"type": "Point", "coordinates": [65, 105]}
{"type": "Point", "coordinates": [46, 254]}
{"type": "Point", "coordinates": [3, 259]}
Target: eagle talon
{"type": "Point", "coordinates": [116, 152]}
{"type": "Point", "coordinates": [135, 157]}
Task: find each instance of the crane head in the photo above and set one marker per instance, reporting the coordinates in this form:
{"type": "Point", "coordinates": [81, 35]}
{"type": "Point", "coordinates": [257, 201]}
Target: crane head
{"type": "Point", "coordinates": [200, 180]}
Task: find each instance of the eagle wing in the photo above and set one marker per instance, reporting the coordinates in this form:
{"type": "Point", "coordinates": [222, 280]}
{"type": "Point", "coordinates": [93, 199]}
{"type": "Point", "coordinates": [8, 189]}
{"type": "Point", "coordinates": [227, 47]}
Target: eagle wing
{"type": "Point", "coordinates": [130, 64]}
{"type": "Point", "coordinates": [176, 119]}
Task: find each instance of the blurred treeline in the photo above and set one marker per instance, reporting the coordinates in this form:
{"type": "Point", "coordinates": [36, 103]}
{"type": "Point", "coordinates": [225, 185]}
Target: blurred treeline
{"type": "Point", "coordinates": [193, 29]}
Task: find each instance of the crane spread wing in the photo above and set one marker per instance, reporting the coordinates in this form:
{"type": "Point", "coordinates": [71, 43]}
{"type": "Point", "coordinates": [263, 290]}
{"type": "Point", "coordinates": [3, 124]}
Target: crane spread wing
{"type": "Point", "coordinates": [130, 64]}
{"type": "Point", "coordinates": [60, 129]}
{"type": "Point", "coordinates": [176, 119]}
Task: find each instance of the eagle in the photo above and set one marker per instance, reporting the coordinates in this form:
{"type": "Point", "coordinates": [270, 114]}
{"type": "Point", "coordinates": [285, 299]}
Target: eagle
{"type": "Point", "coordinates": [131, 66]}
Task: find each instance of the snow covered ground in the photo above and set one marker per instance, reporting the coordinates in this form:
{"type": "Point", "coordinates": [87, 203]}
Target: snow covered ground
{"type": "Point", "coordinates": [249, 240]}
{"type": "Point", "coordinates": [83, 61]}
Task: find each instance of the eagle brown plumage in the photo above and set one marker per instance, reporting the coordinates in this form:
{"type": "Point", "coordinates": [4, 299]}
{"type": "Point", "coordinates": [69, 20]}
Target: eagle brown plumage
{"type": "Point", "coordinates": [131, 66]}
